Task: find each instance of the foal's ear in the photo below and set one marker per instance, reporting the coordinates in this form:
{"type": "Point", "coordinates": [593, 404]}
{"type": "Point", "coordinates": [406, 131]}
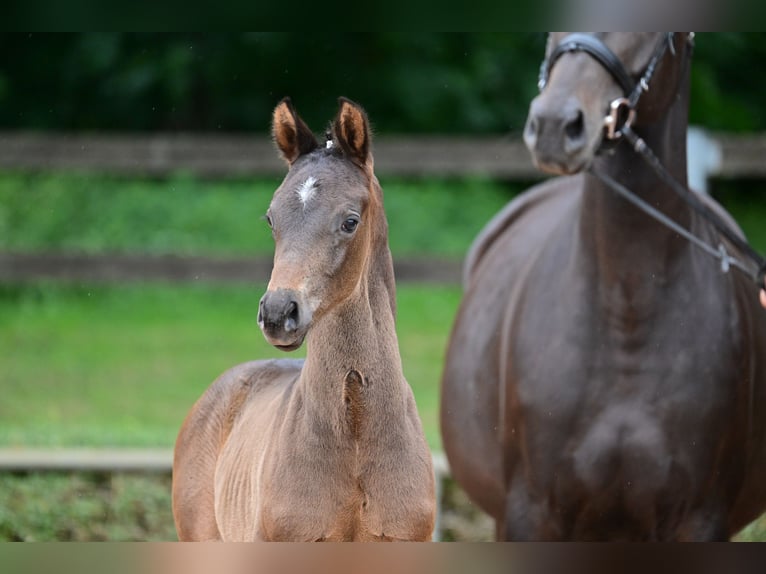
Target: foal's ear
{"type": "Point", "coordinates": [291, 134]}
{"type": "Point", "coordinates": [351, 130]}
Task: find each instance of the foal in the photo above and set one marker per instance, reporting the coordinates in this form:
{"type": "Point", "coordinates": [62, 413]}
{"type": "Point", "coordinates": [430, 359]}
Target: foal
{"type": "Point", "coordinates": [331, 448]}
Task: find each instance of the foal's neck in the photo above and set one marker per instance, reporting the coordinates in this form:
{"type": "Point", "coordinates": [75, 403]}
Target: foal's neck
{"type": "Point", "coordinates": [359, 336]}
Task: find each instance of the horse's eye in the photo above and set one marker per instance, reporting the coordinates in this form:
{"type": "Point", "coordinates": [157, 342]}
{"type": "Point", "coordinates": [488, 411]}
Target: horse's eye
{"type": "Point", "coordinates": [267, 217]}
{"type": "Point", "coordinates": [349, 226]}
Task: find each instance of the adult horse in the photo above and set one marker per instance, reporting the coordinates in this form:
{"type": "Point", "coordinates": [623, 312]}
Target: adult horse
{"type": "Point", "coordinates": [331, 448]}
{"type": "Point", "coordinates": [604, 378]}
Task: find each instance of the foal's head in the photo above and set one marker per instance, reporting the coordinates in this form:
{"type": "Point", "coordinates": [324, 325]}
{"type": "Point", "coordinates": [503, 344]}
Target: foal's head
{"type": "Point", "coordinates": [566, 122]}
{"type": "Point", "coordinates": [322, 217]}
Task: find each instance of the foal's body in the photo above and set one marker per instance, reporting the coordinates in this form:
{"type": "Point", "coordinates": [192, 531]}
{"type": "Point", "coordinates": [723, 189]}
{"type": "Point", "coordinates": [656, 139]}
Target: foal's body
{"type": "Point", "coordinates": [331, 448]}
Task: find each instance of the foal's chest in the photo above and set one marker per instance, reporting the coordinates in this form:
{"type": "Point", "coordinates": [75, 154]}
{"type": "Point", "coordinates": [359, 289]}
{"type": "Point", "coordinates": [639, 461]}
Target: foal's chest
{"type": "Point", "coordinates": [319, 507]}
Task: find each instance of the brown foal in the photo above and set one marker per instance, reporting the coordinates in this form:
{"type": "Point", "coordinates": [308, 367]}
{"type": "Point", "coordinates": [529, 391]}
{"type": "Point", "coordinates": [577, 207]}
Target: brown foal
{"type": "Point", "coordinates": [330, 448]}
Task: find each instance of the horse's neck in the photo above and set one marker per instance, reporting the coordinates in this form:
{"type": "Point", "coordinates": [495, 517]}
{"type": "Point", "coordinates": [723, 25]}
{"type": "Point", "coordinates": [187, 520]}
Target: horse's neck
{"type": "Point", "coordinates": [625, 241]}
{"type": "Point", "coordinates": [359, 335]}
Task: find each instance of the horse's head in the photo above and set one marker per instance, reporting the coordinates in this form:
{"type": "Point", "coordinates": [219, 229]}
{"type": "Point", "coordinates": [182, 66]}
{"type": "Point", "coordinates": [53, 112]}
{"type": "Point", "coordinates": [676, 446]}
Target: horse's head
{"type": "Point", "coordinates": [589, 81]}
{"type": "Point", "coordinates": [321, 218]}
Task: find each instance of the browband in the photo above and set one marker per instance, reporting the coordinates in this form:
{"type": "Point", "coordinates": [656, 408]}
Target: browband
{"type": "Point", "coordinates": [579, 42]}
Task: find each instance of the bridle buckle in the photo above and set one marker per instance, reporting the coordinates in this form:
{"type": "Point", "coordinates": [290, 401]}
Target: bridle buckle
{"type": "Point", "coordinates": [621, 115]}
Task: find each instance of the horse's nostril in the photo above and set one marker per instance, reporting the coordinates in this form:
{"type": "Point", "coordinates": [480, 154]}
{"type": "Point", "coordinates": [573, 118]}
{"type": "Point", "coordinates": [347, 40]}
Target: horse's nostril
{"type": "Point", "coordinates": [532, 126]}
{"type": "Point", "coordinates": [291, 316]}
{"type": "Point", "coordinates": [260, 312]}
{"type": "Point", "coordinates": [574, 128]}
{"type": "Point", "coordinates": [530, 132]}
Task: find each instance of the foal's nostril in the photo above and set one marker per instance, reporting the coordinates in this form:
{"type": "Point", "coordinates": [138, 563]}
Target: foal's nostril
{"type": "Point", "coordinates": [260, 312]}
{"type": "Point", "coordinates": [575, 127]}
{"type": "Point", "coordinates": [291, 316]}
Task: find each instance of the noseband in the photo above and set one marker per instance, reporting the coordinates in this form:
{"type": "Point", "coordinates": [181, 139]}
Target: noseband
{"type": "Point", "coordinates": [619, 122]}
{"type": "Point", "coordinates": [622, 111]}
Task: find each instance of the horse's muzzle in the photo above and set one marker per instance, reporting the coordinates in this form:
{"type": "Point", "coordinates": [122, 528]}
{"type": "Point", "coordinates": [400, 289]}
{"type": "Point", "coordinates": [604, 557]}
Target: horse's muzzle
{"type": "Point", "coordinates": [283, 319]}
{"type": "Point", "coordinates": [557, 135]}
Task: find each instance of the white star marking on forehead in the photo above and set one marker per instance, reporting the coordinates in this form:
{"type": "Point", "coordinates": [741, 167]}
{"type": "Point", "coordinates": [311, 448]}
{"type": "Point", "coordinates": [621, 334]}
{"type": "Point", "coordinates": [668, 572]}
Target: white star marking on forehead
{"type": "Point", "coordinates": [306, 191]}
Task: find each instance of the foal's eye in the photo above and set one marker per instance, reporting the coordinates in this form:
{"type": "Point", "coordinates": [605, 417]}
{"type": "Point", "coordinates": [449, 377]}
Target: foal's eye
{"type": "Point", "coordinates": [267, 217]}
{"type": "Point", "coordinates": [349, 226]}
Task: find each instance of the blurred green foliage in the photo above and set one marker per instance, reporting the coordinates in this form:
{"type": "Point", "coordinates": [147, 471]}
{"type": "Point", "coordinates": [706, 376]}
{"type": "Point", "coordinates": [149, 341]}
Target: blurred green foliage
{"type": "Point", "coordinates": [746, 201]}
{"type": "Point", "coordinates": [425, 82]}
{"type": "Point", "coordinates": [183, 215]}
{"type": "Point", "coordinates": [437, 82]}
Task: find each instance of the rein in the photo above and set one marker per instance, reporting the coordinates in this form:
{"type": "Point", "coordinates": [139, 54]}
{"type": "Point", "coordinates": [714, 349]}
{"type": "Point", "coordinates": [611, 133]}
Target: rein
{"type": "Point", "coordinates": [691, 199]}
{"type": "Point", "coordinates": [618, 124]}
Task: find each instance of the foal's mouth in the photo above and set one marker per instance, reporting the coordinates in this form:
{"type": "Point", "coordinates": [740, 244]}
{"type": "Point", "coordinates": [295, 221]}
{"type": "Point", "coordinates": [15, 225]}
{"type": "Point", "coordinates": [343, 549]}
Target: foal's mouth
{"type": "Point", "coordinates": [285, 345]}
{"type": "Point", "coordinates": [291, 347]}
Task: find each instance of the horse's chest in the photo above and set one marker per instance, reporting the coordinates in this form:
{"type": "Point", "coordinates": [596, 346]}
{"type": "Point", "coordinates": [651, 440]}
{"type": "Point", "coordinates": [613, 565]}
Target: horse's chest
{"type": "Point", "coordinates": [624, 398]}
{"type": "Point", "coordinates": [568, 355]}
{"type": "Point", "coordinates": [312, 513]}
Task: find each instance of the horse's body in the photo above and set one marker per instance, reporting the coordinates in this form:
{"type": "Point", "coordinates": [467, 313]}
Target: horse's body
{"type": "Point", "coordinates": [604, 379]}
{"type": "Point", "coordinates": [331, 448]}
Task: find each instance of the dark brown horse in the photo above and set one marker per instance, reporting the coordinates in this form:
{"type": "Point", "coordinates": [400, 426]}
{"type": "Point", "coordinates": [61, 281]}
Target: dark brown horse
{"type": "Point", "coordinates": [331, 448]}
{"type": "Point", "coordinates": [604, 378]}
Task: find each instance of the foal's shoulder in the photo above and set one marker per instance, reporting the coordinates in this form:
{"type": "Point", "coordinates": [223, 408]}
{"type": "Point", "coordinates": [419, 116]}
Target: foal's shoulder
{"type": "Point", "coordinates": [223, 401]}
{"type": "Point", "coordinates": [254, 376]}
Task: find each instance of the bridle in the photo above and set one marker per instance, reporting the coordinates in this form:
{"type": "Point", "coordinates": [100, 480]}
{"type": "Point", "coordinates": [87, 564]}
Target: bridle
{"type": "Point", "coordinates": [618, 124]}
{"type": "Point", "coordinates": [622, 111]}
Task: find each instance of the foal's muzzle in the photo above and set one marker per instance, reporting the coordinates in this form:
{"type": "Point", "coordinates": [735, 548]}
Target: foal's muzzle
{"type": "Point", "coordinates": [283, 318]}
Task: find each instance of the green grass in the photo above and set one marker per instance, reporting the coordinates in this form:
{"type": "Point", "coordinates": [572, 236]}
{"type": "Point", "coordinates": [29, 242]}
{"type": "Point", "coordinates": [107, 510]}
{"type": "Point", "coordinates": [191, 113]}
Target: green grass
{"type": "Point", "coordinates": [121, 366]}
{"type": "Point", "coordinates": [754, 532]}
{"type": "Point", "coordinates": [85, 507]}
{"type": "Point", "coordinates": [99, 214]}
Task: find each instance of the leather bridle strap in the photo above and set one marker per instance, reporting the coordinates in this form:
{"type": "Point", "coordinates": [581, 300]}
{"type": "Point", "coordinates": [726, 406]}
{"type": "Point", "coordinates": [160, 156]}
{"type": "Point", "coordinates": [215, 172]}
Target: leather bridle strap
{"type": "Point", "coordinates": [642, 149]}
{"type": "Point", "coordinates": [719, 252]}
{"type": "Point", "coordinates": [594, 47]}
{"type": "Point", "coordinates": [643, 84]}
{"type": "Point", "coordinates": [622, 111]}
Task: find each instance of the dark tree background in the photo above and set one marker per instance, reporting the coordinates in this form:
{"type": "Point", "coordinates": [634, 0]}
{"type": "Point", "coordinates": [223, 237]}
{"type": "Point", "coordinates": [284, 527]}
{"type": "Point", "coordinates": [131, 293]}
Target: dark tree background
{"type": "Point", "coordinates": [415, 83]}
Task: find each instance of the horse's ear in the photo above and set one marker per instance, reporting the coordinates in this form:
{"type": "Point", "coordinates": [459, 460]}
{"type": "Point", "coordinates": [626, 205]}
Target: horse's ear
{"type": "Point", "coordinates": [351, 130]}
{"type": "Point", "coordinates": [291, 134]}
